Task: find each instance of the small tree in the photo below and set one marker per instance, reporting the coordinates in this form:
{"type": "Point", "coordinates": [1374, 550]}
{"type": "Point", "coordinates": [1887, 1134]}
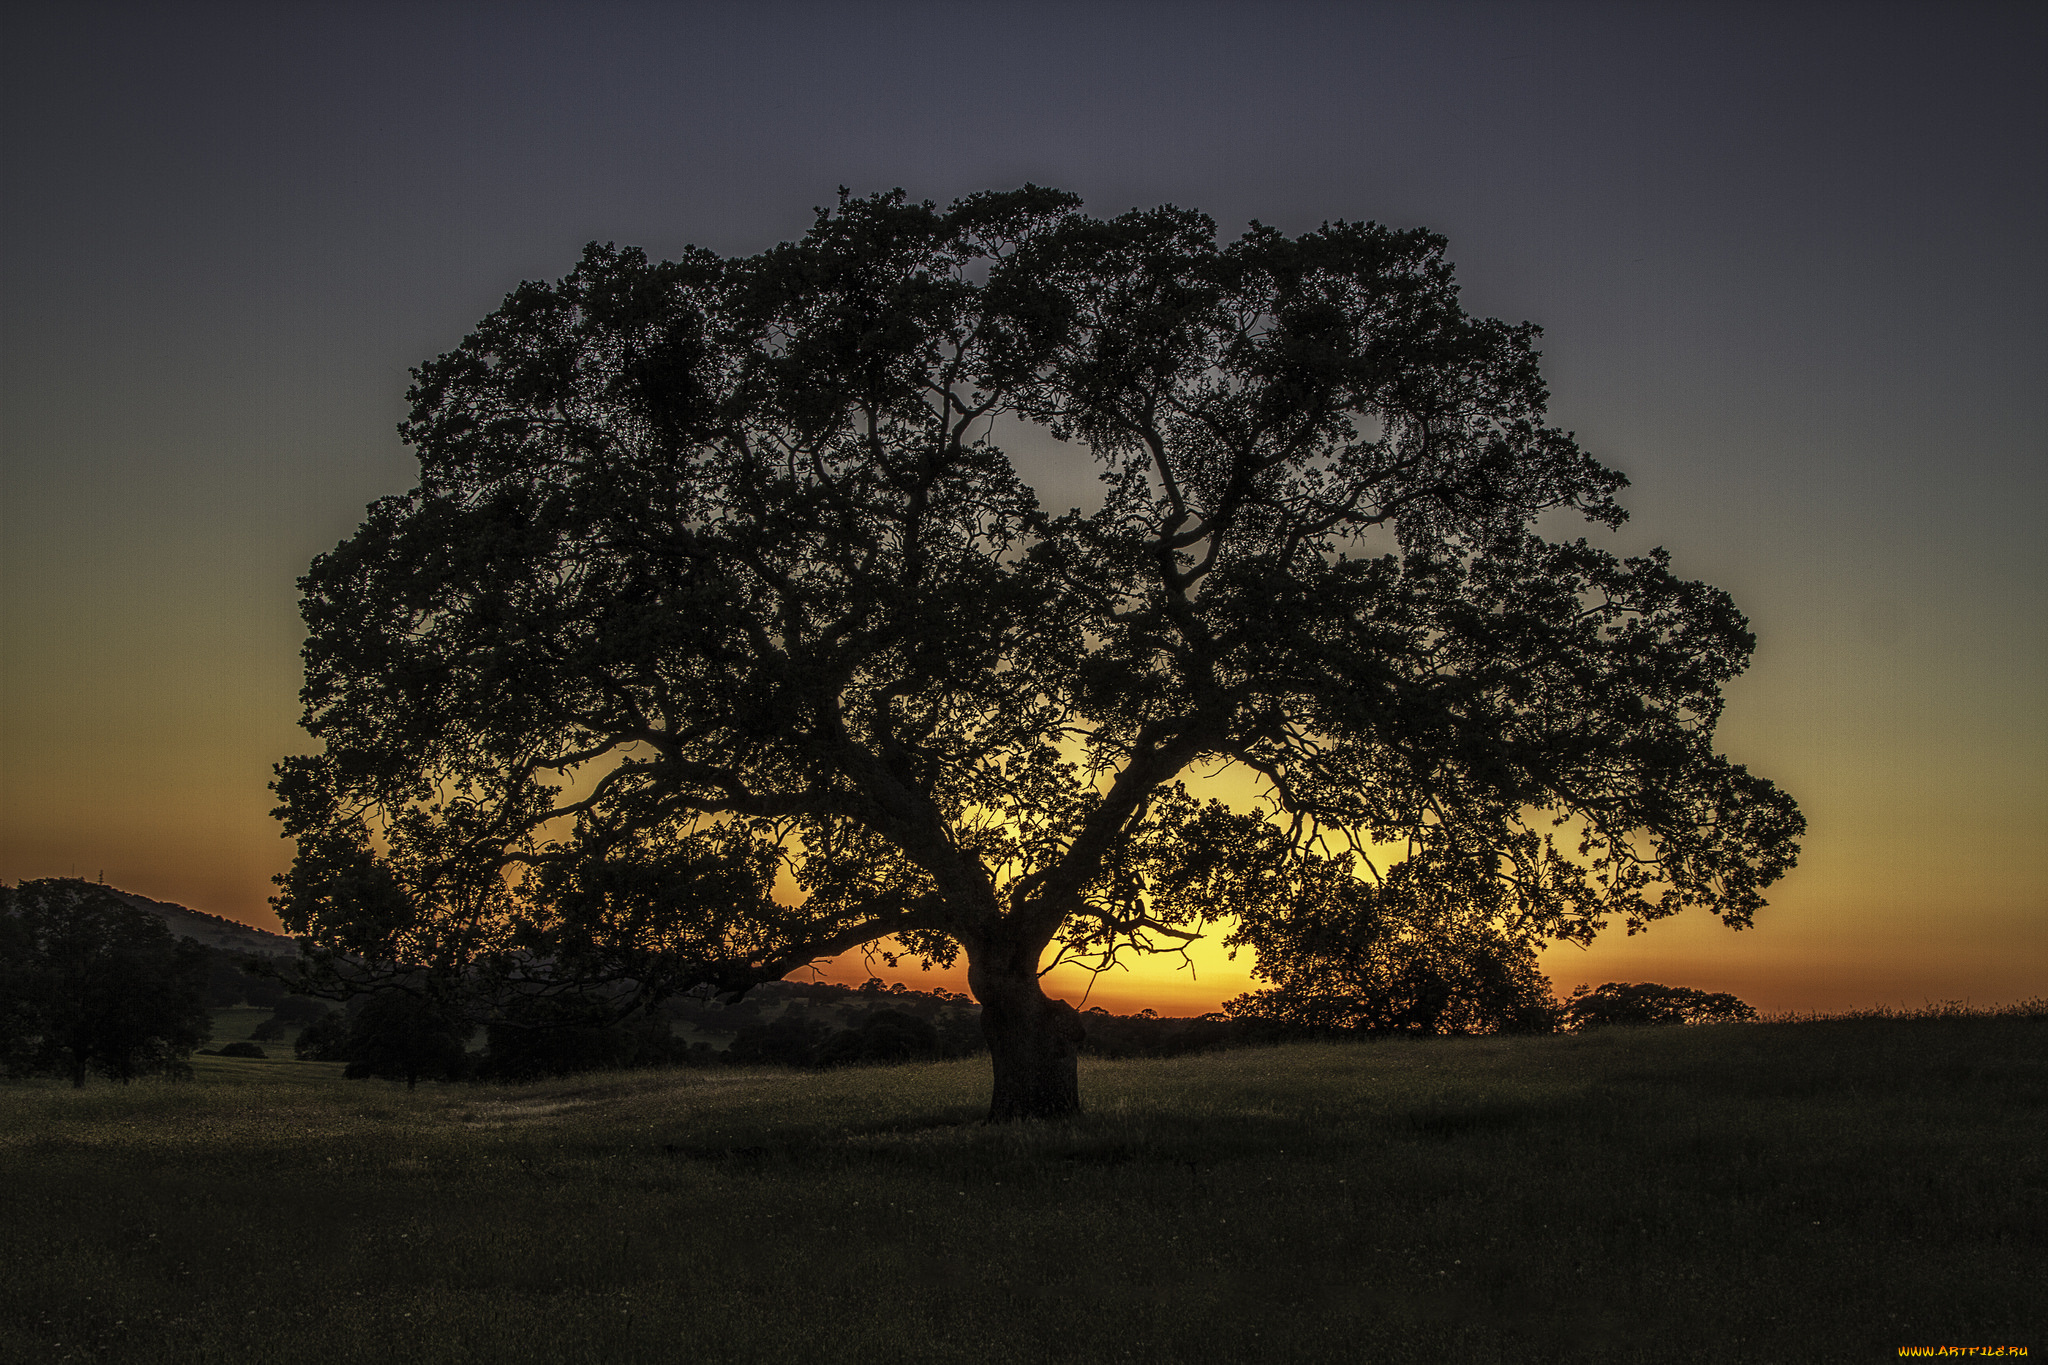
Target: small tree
{"type": "Point", "coordinates": [90, 983]}
{"type": "Point", "coordinates": [1413, 954]}
{"type": "Point", "coordinates": [717, 569]}
{"type": "Point", "coordinates": [1646, 1002]}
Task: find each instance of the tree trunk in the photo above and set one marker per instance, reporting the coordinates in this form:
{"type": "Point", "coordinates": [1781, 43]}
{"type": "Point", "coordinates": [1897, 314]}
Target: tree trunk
{"type": "Point", "coordinates": [1033, 1041]}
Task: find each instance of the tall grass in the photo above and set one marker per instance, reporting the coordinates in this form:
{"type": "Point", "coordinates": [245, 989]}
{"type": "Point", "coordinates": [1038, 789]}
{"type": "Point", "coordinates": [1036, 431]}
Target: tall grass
{"type": "Point", "coordinates": [2034, 1008]}
{"type": "Point", "coordinates": [1770, 1193]}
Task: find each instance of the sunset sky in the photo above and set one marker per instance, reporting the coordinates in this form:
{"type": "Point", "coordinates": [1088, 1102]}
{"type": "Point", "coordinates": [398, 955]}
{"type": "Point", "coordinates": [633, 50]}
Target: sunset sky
{"type": "Point", "coordinates": [1788, 259]}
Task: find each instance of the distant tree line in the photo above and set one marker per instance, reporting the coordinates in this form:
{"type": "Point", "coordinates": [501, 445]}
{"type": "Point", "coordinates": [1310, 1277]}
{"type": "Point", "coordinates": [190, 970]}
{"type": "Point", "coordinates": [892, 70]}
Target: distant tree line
{"type": "Point", "coordinates": [1414, 960]}
{"type": "Point", "coordinates": [1645, 1002]}
{"type": "Point", "coordinates": [407, 1032]}
{"type": "Point", "coordinates": [89, 984]}
{"type": "Point", "coordinates": [407, 1037]}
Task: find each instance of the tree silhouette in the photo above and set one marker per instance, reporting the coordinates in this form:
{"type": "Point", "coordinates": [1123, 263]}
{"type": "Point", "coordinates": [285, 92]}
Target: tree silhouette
{"type": "Point", "coordinates": [1646, 1003]}
{"type": "Point", "coordinates": [717, 572]}
{"type": "Point", "coordinates": [90, 983]}
{"type": "Point", "coordinates": [406, 1035]}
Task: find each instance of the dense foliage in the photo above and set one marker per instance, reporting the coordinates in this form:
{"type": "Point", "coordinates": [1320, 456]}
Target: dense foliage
{"type": "Point", "coordinates": [89, 983]}
{"type": "Point", "coordinates": [718, 580]}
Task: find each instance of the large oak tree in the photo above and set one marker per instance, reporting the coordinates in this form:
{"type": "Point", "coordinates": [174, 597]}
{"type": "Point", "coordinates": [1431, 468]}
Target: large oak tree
{"type": "Point", "coordinates": [721, 635]}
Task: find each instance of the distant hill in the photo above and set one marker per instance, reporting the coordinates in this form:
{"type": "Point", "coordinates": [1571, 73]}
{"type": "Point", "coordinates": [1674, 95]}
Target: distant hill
{"type": "Point", "coordinates": [213, 930]}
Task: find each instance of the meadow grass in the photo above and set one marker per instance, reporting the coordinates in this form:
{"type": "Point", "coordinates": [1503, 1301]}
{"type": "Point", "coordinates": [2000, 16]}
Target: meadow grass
{"type": "Point", "coordinates": [1770, 1193]}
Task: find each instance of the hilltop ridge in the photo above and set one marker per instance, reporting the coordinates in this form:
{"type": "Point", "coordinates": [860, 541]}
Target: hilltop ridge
{"type": "Point", "coordinates": [215, 931]}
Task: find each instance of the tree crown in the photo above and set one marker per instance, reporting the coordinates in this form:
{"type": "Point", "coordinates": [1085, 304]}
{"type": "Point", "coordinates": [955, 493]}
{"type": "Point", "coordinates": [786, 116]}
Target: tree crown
{"type": "Point", "coordinates": [717, 573]}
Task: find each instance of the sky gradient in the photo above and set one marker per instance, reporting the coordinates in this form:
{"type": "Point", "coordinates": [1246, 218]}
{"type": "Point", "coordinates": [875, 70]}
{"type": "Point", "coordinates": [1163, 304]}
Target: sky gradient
{"type": "Point", "coordinates": [1788, 262]}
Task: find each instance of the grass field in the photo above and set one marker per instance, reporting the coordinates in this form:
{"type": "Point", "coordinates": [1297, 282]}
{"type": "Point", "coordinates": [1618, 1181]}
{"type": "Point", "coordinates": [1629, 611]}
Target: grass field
{"type": "Point", "coordinates": [1769, 1193]}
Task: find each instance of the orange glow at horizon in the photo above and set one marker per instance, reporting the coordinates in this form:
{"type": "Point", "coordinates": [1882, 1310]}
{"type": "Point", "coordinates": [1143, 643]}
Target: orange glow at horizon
{"type": "Point", "coordinates": [1861, 922]}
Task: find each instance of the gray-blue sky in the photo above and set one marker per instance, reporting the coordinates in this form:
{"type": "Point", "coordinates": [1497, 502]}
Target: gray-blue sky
{"type": "Point", "coordinates": [1788, 260]}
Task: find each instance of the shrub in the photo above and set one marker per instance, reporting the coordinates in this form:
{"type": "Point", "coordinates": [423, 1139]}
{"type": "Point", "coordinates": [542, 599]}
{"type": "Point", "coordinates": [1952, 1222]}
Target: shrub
{"type": "Point", "coordinates": [881, 1035]}
{"type": "Point", "coordinates": [241, 1050]}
